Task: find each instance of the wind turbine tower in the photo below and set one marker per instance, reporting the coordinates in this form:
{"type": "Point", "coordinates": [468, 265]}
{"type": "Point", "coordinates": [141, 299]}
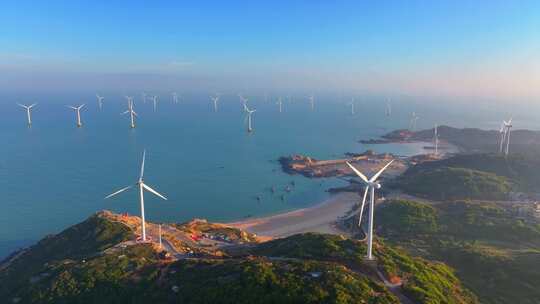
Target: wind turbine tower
{"type": "Point", "coordinates": [100, 101]}
{"type": "Point", "coordinates": [436, 139]}
{"type": "Point", "coordinates": [78, 110]}
{"type": "Point", "coordinates": [131, 112]}
{"type": "Point", "coordinates": [371, 184]}
{"type": "Point", "coordinates": [142, 187]}
{"type": "Point", "coordinates": [28, 112]}
{"type": "Point", "coordinates": [155, 101]}
{"type": "Point", "coordinates": [249, 112]}
{"type": "Point", "coordinates": [280, 104]}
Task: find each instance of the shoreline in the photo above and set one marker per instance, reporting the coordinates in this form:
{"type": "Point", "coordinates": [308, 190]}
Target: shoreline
{"type": "Point", "coordinates": [318, 218]}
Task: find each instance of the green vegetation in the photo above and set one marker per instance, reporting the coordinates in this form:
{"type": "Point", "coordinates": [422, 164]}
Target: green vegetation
{"type": "Point", "coordinates": [424, 282]}
{"type": "Point", "coordinates": [494, 254]}
{"type": "Point", "coordinates": [472, 176]}
{"type": "Point", "coordinates": [446, 183]}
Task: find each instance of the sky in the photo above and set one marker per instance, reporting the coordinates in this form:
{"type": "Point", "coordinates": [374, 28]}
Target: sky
{"type": "Point", "coordinates": [488, 49]}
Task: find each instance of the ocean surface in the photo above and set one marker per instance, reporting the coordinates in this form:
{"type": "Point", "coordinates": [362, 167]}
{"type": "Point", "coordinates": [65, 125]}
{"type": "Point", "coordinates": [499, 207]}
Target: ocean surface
{"type": "Point", "coordinates": [53, 174]}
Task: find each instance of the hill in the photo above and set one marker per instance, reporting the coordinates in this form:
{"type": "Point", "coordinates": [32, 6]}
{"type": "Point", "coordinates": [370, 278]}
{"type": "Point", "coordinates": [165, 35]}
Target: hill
{"type": "Point", "coordinates": [494, 253]}
{"type": "Point", "coordinates": [105, 265]}
{"type": "Point", "coordinates": [472, 176]}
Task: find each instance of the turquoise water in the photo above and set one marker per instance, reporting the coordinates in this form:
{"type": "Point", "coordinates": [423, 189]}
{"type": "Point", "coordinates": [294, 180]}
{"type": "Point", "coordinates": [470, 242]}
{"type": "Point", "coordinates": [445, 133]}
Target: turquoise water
{"type": "Point", "coordinates": [54, 174]}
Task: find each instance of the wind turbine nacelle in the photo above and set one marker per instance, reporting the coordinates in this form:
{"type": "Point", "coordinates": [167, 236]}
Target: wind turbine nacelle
{"type": "Point", "coordinates": [377, 186]}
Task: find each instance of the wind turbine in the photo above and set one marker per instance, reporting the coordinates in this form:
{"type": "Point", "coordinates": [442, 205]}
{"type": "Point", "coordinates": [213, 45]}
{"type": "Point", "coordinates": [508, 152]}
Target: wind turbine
{"type": "Point", "coordinates": [100, 101]}
{"type": "Point", "coordinates": [78, 109]}
{"type": "Point", "coordinates": [280, 103]}
{"type": "Point", "coordinates": [312, 102]}
{"type": "Point", "coordinates": [131, 112]}
{"type": "Point", "coordinates": [215, 100]}
{"type": "Point", "coordinates": [249, 112]}
{"type": "Point", "coordinates": [143, 96]}
{"type": "Point", "coordinates": [28, 114]}
{"type": "Point", "coordinates": [371, 184]}
{"type": "Point", "coordinates": [388, 110]}
{"type": "Point", "coordinates": [414, 119]}
{"type": "Point", "coordinates": [507, 127]}
{"type": "Point", "coordinates": [243, 100]}
{"type": "Point", "coordinates": [155, 101]}
{"type": "Point", "coordinates": [175, 97]}
{"type": "Point", "coordinates": [352, 106]}
{"type": "Point", "coordinates": [142, 186]}
{"type": "Point", "coordinates": [436, 139]}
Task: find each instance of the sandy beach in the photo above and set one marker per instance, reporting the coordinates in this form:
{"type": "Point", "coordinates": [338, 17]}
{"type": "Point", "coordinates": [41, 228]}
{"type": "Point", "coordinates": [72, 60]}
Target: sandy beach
{"type": "Point", "coordinates": [319, 218]}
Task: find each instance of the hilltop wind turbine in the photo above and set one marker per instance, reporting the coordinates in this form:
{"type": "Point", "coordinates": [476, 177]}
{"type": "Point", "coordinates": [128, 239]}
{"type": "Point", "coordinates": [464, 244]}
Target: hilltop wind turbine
{"type": "Point", "coordinates": [414, 119]}
{"type": "Point", "coordinates": [78, 110]}
{"type": "Point", "coordinates": [155, 101]}
{"type": "Point", "coordinates": [100, 101]}
{"type": "Point", "coordinates": [131, 112]}
{"type": "Point", "coordinates": [28, 112]}
{"type": "Point", "coordinates": [215, 100]}
{"type": "Point", "coordinates": [436, 139]}
{"type": "Point", "coordinates": [249, 112]}
{"type": "Point", "coordinates": [280, 104]}
{"type": "Point", "coordinates": [507, 125]}
{"type": "Point", "coordinates": [142, 186]}
{"type": "Point", "coordinates": [371, 184]}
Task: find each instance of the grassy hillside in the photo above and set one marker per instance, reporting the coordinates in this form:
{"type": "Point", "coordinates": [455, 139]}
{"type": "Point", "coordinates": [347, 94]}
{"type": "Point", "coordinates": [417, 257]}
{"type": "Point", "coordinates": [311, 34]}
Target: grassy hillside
{"type": "Point", "coordinates": [494, 254]}
{"type": "Point", "coordinates": [308, 268]}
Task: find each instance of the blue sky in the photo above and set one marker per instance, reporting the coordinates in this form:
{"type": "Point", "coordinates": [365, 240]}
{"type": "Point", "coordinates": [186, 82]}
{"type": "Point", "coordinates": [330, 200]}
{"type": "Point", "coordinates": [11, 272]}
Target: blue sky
{"type": "Point", "coordinates": [461, 48]}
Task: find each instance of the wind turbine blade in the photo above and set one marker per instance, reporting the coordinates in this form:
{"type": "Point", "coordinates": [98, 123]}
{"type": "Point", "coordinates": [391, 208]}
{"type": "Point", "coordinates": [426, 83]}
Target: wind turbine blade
{"type": "Point", "coordinates": [33, 105]}
{"type": "Point", "coordinates": [119, 191]}
{"type": "Point", "coordinates": [82, 106]}
{"type": "Point", "coordinates": [363, 204]}
{"type": "Point", "coordinates": [153, 191]}
{"type": "Point", "coordinates": [374, 178]}
{"type": "Point", "coordinates": [362, 176]}
{"type": "Point", "coordinates": [124, 113]}
{"type": "Point", "coordinates": [20, 105]}
{"type": "Point", "coordinates": [134, 113]}
{"type": "Point", "coordinates": [71, 107]}
{"type": "Point", "coordinates": [142, 165]}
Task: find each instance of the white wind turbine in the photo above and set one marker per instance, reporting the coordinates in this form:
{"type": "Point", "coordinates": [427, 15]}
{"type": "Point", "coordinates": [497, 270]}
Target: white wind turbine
{"type": "Point", "coordinates": [507, 126]}
{"type": "Point", "coordinates": [215, 100]}
{"type": "Point", "coordinates": [78, 110]}
{"type": "Point", "coordinates": [436, 139]}
{"type": "Point", "coordinates": [143, 97]}
{"type": "Point", "coordinates": [312, 102]}
{"type": "Point", "coordinates": [28, 112]}
{"type": "Point", "coordinates": [371, 184]}
{"type": "Point", "coordinates": [280, 104]}
{"type": "Point", "coordinates": [243, 100]}
{"type": "Point", "coordinates": [142, 186]}
{"type": "Point", "coordinates": [175, 97]}
{"type": "Point", "coordinates": [155, 101]}
{"type": "Point", "coordinates": [131, 112]}
{"type": "Point", "coordinates": [249, 112]}
{"type": "Point", "coordinates": [388, 110]}
{"type": "Point", "coordinates": [352, 106]}
{"type": "Point", "coordinates": [100, 101]}
{"type": "Point", "coordinates": [414, 119]}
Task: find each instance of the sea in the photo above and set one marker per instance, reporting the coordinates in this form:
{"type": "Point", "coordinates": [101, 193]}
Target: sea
{"type": "Point", "coordinates": [53, 174]}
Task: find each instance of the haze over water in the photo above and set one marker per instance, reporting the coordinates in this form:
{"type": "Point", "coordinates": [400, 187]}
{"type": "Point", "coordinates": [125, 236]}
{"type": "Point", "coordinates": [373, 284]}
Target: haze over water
{"type": "Point", "coordinates": [54, 174]}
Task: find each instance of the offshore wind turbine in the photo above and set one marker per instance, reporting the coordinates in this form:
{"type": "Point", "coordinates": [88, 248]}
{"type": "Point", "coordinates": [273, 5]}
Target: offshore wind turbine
{"type": "Point", "coordinates": [215, 100]}
{"type": "Point", "coordinates": [100, 101]}
{"type": "Point", "coordinates": [78, 110]}
{"type": "Point", "coordinates": [28, 112]}
{"type": "Point", "coordinates": [131, 112]}
{"type": "Point", "coordinates": [143, 97]}
{"type": "Point", "coordinates": [243, 100]}
{"type": "Point", "coordinates": [155, 101]}
{"type": "Point", "coordinates": [249, 112]}
{"type": "Point", "coordinates": [175, 97]}
{"type": "Point", "coordinates": [280, 104]}
{"type": "Point", "coordinates": [388, 110]}
{"type": "Point", "coordinates": [352, 106]}
{"type": "Point", "coordinates": [371, 184]}
{"type": "Point", "coordinates": [312, 102]}
{"type": "Point", "coordinates": [414, 119]}
{"type": "Point", "coordinates": [142, 187]}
